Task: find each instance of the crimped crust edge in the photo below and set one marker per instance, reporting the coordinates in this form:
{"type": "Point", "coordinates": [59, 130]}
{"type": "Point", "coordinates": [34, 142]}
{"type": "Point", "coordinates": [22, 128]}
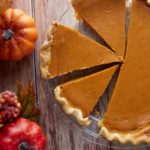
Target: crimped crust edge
{"type": "Point", "coordinates": [70, 110]}
{"type": "Point", "coordinates": [45, 53]}
{"type": "Point", "coordinates": [134, 137]}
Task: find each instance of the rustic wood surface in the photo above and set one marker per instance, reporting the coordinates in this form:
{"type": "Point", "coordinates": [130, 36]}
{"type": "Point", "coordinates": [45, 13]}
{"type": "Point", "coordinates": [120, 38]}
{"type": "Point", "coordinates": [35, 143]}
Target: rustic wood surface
{"type": "Point", "coordinates": [61, 135]}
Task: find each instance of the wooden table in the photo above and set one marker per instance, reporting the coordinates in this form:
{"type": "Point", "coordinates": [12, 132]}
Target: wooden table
{"type": "Point", "coordinates": [59, 136]}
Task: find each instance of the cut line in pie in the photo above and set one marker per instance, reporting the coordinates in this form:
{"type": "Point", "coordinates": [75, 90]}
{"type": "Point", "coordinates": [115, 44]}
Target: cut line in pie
{"type": "Point", "coordinates": [127, 118]}
{"type": "Point", "coordinates": [128, 114]}
{"type": "Point", "coordinates": [107, 18]}
{"type": "Point", "coordinates": [67, 50]}
{"type": "Point", "coordinates": [79, 97]}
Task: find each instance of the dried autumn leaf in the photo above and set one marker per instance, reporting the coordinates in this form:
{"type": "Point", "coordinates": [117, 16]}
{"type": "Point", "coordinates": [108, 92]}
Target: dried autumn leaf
{"type": "Point", "coordinates": [35, 117]}
{"type": "Point", "coordinates": [27, 99]}
{"type": "Point", "coordinates": [4, 4]}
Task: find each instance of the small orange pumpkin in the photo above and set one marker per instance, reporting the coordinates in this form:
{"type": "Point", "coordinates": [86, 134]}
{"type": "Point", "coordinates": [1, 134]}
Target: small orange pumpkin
{"type": "Point", "coordinates": [18, 34]}
{"type": "Point", "coordinates": [4, 4]}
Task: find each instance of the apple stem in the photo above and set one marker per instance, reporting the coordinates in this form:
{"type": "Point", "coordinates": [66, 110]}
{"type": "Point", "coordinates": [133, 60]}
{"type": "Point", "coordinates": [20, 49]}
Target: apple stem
{"type": "Point", "coordinates": [25, 146]}
{"type": "Point", "coordinates": [7, 34]}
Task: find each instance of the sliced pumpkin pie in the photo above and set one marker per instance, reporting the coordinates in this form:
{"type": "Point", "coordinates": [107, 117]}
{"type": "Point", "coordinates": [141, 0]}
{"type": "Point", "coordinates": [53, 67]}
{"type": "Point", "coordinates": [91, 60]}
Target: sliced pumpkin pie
{"type": "Point", "coordinates": [67, 50]}
{"type": "Point", "coordinates": [79, 97]}
{"type": "Point", "coordinates": [128, 115]}
{"type": "Point", "coordinates": [107, 18]}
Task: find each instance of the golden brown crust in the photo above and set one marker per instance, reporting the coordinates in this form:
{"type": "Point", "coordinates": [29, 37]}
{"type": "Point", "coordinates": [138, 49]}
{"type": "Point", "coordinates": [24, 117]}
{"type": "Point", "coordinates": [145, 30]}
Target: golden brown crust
{"type": "Point", "coordinates": [134, 137]}
{"type": "Point", "coordinates": [45, 53]}
{"type": "Point", "coordinates": [69, 109]}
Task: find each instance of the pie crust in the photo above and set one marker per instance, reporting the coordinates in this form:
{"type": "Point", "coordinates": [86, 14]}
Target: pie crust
{"type": "Point", "coordinates": [70, 110]}
{"type": "Point", "coordinates": [45, 53]}
{"type": "Point", "coordinates": [135, 137]}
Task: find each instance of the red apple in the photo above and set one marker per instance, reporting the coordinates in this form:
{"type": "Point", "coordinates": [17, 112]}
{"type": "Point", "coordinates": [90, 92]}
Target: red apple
{"type": "Point", "coordinates": [22, 134]}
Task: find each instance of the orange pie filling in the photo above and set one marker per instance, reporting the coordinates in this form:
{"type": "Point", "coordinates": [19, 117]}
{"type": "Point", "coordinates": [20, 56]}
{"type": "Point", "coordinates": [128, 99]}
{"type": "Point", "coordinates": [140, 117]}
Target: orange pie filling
{"type": "Point", "coordinates": [128, 113]}
{"type": "Point", "coordinates": [66, 50]}
{"type": "Point", "coordinates": [79, 97]}
{"type": "Point", "coordinates": [107, 18]}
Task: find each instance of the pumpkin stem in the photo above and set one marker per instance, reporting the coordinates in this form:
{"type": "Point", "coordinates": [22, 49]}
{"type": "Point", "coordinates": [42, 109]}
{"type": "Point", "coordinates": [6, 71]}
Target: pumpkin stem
{"type": "Point", "coordinates": [7, 34]}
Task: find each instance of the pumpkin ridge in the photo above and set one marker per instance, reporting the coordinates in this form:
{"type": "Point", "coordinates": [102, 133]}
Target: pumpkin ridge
{"type": "Point", "coordinates": [27, 25]}
{"type": "Point", "coordinates": [6, 17]}
{"type": "Point", "coordinates": [2, 23]}
{"type": "Point", "coordinates": [26, 42]}
{"type": "Point", "coordinates": [10, 21]}
{"type": "Point", "coordinates": [14, 54]}
{"type": "Point", "coordinates": [26, 34]}
{"type": "Point", "coordinates": [19, 48]}
{"type": "Point", "coordinates": [14, 16]}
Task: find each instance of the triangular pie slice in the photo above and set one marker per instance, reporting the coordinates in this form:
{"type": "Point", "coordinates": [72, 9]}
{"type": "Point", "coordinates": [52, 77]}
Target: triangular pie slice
{"type": "Point", "coordinates": [128, 115]}
{"type": "Point", "coordinates": [107, 18]}
{"type": "Point", "coordinates": [66, 50]}
{"type": "Point", "coordinates": [79, 97]}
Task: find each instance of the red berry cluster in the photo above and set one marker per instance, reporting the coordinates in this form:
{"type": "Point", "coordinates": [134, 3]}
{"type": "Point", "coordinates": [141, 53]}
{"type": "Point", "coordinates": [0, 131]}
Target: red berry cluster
{"type": "Point", "coordinates": [9, 107]}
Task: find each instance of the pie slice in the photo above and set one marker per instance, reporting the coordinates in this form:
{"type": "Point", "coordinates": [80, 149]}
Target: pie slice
{"type": "Point", "coordinates": [107, 18]}
{"type": "Point", "coordinates": [66, 50]}
{"type": "Point", "coordinates": [79, 97]}
{"type": "Point", "coordinates": [128, 115]}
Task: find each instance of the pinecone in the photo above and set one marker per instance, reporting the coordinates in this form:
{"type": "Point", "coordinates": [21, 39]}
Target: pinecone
{"type": "Point", "coordinates": [9, 107]}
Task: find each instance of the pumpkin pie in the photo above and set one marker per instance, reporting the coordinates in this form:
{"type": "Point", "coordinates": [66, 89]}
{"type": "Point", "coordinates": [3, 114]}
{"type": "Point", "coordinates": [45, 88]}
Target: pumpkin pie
{"type": "Point", "coordinates": [79, 97]}
{"type": "Point", "coordinates": [66, 50]}
{"type": "Point", "coordinates": [107, 18]}
{"type": "Point", "coordinates": [127, 118]}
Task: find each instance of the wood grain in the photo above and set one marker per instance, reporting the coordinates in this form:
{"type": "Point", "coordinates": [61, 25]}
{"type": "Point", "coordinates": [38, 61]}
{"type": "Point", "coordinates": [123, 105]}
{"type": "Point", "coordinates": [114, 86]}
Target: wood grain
{"type": "Point", "coordinates": [61, 133]}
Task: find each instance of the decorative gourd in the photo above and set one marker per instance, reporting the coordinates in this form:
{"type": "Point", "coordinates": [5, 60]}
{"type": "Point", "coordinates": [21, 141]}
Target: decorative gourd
{"type": "Point", "coordinates": [4, 4]}
{"type": "Point", "coordinates": [18, 34]}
